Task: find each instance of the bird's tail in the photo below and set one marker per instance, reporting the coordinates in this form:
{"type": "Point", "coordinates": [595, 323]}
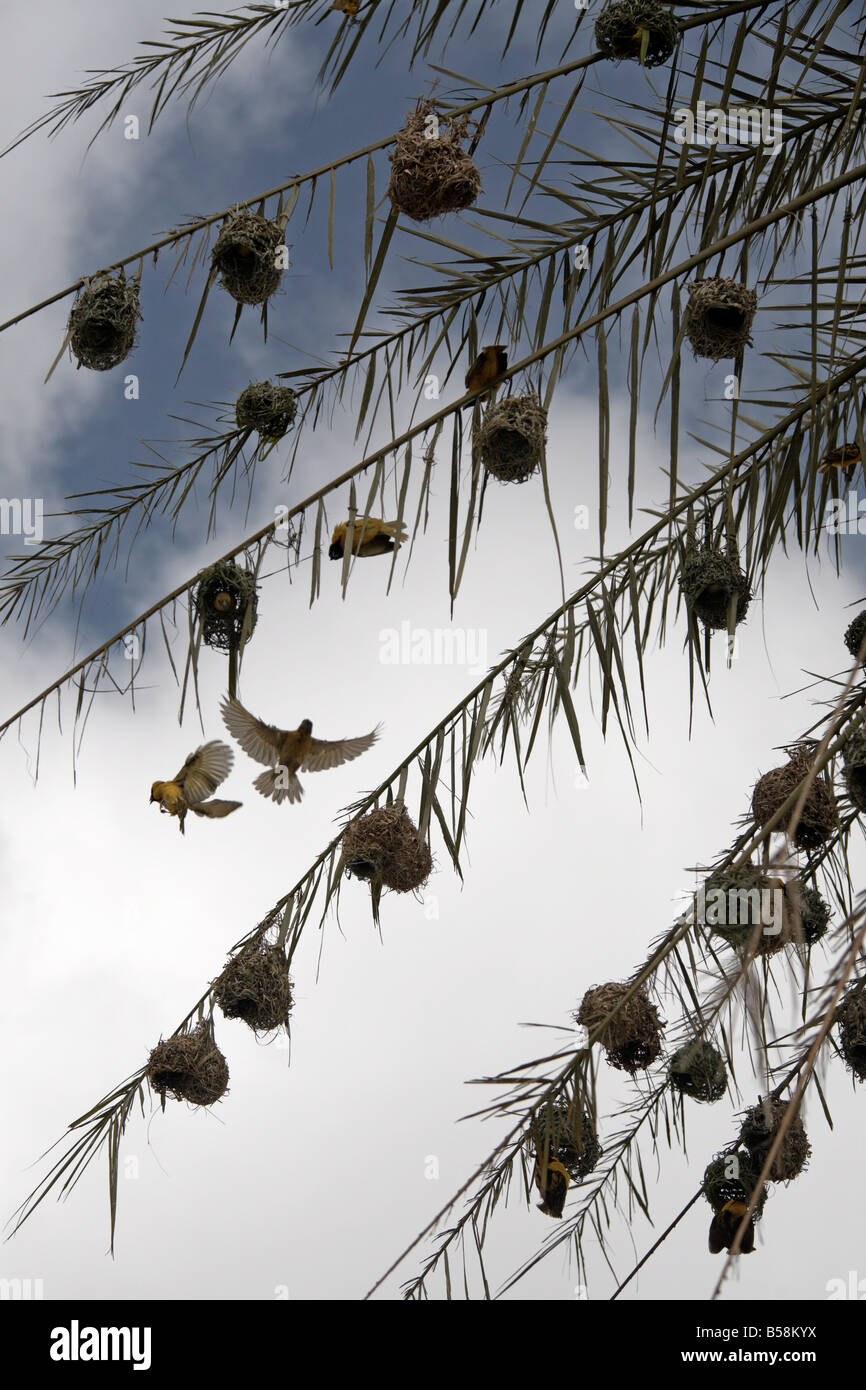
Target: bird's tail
{"type": "Point", "coordinates": [396, 530]}
{"type": "Point", "coordinates": [215, 809]}
{"type": "Point", "coordinates": [279, 784]}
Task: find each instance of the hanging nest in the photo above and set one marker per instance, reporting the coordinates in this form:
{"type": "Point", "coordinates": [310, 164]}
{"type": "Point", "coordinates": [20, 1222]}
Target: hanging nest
{"type": "Point", "coordinates": [808, 912]}
{"type": "Point", "coordinates": [845, 456]}
{"type": "Point", "coordinates": [266, 408]}
{"type": "Point", "coordinates": [432, 177]}
{"type": "Point", "coordinates": [243, 255]}
{"type": "Point", "coordinates": [854, 634]}
{"type": "Point", "coordinates": [719, 317]}
{"type": "Point", "coordinates": [739, 885]}
{"type": "Point", "coordinates": [189, 1066]}
{"type": "Point", "coordinates": [709, 581]}
{"type": "Point", "coordinates": [818, 818]}
{"type": "Point", "coordinates": [103, 321]}
{"type": "Point", "coordinates": [620, 29]}
{"type": "Point", "coordinates": [851, 1019]}
{"type": "Point", "coordinates": [854, 761]}
{"type": "Point", "coordinates": [633, 1039]}
{"type": "Point", "coordinates": [255, 986]}
{"type": "Point", "coordinates": [511, 437]}
{"type": "Point", "coordinates": [719, 1189]}
{"type": "Point", "coordinates": [559, 1131]}
{"type": "Point", "coordinates": [226, 603]}
{"type": "Point", "coordinates": [758, 1131]}
{"type": "Point", "coordinates": [698, 1070]}
{"type": "Point", "coordinates": [384, 847]}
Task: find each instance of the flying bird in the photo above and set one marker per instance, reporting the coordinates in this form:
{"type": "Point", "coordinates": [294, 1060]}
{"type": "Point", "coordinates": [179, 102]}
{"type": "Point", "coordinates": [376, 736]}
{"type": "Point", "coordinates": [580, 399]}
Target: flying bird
{"type": "Point", "coordinates": [724, 1226]}
{"type": "Point", "coordinates": [285, 752]}
{"type": "Point", "coordinates": [553, 1185]}
{"type": "Point", "coordinates": [370, 537]}
{"type": "Point", "coordinates": [200, 775]}
{"type": "Point", "coordinates": [488, 366]}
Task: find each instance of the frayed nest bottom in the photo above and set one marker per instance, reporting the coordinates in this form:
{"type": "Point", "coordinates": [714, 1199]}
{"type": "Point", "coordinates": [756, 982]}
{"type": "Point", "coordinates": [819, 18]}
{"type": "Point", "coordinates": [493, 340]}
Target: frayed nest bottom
{"type": "Point", "coordinates": [384, 846]}
{"type": "Point", "coordinates": [511, 438]}
{"type": "Point", "coordinates": [255, 987]}
{"type": "Point", "coordinates": [190, 1067]}
{"type": "Point", "coordinates": [632, 1039]}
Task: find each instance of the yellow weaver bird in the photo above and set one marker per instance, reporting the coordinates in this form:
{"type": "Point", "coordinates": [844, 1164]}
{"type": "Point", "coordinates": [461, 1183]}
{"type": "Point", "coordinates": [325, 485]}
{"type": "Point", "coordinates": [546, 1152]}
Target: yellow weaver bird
{"type": "Point", "coordinates": [370, 537]}
{"type": "Point", "coordinates": [724, 1226]}
{"type": "Point", "coordinates": [200, 775]}
{"type": "Point", "coordinates": [286, 751]}
{"type": "Point", "coordinates": [347, 6]}
{"type": "Point", "coordinates": [553, 1185]}
{"type": "Point", "coordinates": [843, 457]}
{"type": "Point", "coordinates": [490, 363]}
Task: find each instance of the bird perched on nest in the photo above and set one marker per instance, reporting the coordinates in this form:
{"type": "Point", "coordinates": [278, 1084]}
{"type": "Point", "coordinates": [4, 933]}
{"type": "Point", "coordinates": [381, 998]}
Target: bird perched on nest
{"type": "Point", "coordinates": [370, 537]}
{"type": "Point", "coordinates": [285, 752]}
{"type": "Point", "coordinates": [200, 775]}
{"type": "Point", "coordinates": [553, 1185]}
{"type": "Point", "coordinates": [843, 457]}
{"type": "Point", "coordinates": [724, 1226]}
{"type": "Point", "coordinates": [490, 363]}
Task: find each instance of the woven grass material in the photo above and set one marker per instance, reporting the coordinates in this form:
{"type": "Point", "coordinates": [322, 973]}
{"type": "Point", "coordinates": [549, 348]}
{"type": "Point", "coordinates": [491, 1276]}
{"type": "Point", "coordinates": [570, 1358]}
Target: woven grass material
{"type": "Point", "coordinates": [255, 987]}
{"type": "Point", "coordinates": [189, 1067]}
{"type": "Point", "coordinates": [620, 26]}
{"type": "Point", "coordinates": [511, 437]}
{"type": "Point", "coordinates": [719, 1188]}
{"type": "Point", "coordinates": [560, 1131]}
{"type": "Point", "coordinates": [719, 317]}
{"type": "Point", "coordinates": [758, 1131]}
{"type": "Point", "coordinates": [432, 177]}
{"type": "Point", "coordinates": [266, 408]}
{"type": "Point", "coordinates": [698, 1070]}
{"type": "Point", "coordinates": [226, 603]}
{"type": "Point", "coordinates": [747, 878]}
{"type": "Point", "coordinates": [384, 847]}
{"type": "Point", "coordinates": [709, 580]}
{"type": "Point", "coordinates": [818, 818]}
{"type": "Point", "coordinates": [103, 322]}
{"type": "Point", "coordinates": [854, 634]}
{"type": "Point", "coordinates": [851, 1021]}
{"type": "Point", "coordinates": [633, 1039]}
{"type": "Point", "coordinates": [845, 456]}
{"type": "Point", "coordinates": [809, 913]}
{"type": "Point", "coordinates": [243, 255]}
{"type": "Point", "coordinates": [854, 762]}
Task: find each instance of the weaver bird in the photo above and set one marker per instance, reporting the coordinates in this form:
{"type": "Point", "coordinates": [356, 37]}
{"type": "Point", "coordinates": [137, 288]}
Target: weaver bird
{"type": "Point", "coordinates": [286, 751]}
{"type": "Point", "coordinates": [553, 1185]}
{"type": "Point", "coordinates": [843, 457]}
{"type": "Point", "coordinates": [487, 367]}
{"type": "Point", "coordinates": [347, 6]}
{"type": "Point", "coordinates": [370, 537]}
{"type": "Point", "coordinates": [724, 1225]}
{"type": "Point", "coordinates": [200, 775]}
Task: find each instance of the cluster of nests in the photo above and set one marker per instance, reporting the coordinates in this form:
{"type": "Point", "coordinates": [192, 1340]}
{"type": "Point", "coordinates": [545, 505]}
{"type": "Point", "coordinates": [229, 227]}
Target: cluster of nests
{"type": "Point", "coordinates": [804, 919]}
{"type": "Point", "coordinates": [225, 600]}
{"type": "Point", "coordinates": [103, 321]}
{"type": "Point", "coordinates": [564, 1131]}
{"type": "Point", "coordinates": [385, 848]}
{"type": "Point", "coordinates": [511, 436]}
{"type": "Point", "coordinates": [431, 173]}
{"type": "Point", "coordinates": [268, 409]}
{"type": "Point", "coordinates": [637, 29]}
{"type": "Point", "coordinates": [733, 1176]}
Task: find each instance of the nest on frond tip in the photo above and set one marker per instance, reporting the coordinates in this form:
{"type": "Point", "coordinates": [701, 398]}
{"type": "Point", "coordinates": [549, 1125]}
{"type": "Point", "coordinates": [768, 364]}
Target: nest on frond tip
{"type": "Point", "coordinates": [430, 177]}
{"type": "Point", "coordinates": [809, 914]}
{"type": "Point", "coordinates": [818, 819]}
{"type": "Point", "coordinates": [266, 408]}
{"type": "Point", "coordinates": [189, 1066]}
{"type": "Point", "coordinates": [851, 1022]}
{"type": "Point", "coordinates": [560, 1130]}
{"type": "Point", "coordinates": [719, 317]}
{"type": "Point", "coordinates": [511, 437]}
{"type": "Point", "coordinates": [255, 987]}
{"type": "Point", "coordinates": [710, 579]}
{"type": "Point", "coordinates": [732, 1177]}
{"type": "Point", "coordinates": [226, 602]}
{"type": "Point", "coordinates": [854, 763]}
{"type": "Point", "coordinates": [759, 1130]}
{"type": "Point", "coordinates": [620, 29]}
{"type": "Point", "coordinates": [385, 848]}
{"type": "Point", "coordinates": [103, 321]}
{"type": "Point", "coordinates": [633, 1039]}
{"type": "Point", "coordinates": [698, 1070]}
{"type": "Point", "coordinates": [854, 634]}
{"type": "Point", "coordinates": [244, 255]}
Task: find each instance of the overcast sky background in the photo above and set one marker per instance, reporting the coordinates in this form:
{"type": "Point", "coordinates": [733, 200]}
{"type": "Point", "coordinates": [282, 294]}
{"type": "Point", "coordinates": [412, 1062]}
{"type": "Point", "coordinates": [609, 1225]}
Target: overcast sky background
{"type": "Point", "coordinates": [312, 1174]}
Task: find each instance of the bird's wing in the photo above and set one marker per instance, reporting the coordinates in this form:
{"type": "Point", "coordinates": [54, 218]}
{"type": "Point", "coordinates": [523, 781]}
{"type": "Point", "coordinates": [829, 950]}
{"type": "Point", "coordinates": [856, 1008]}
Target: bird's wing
{"type": "Point", "coordinates": [204, 769]}
{"type": "Point", "coordinates": [323, 754]}
{"type": "Point", "coordinates": [261, 741]}
{"type": "Point", "coordinates": [216, 809]}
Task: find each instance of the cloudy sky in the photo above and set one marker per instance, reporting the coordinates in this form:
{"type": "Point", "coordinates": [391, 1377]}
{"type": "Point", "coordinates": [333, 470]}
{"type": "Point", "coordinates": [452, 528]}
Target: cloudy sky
{"type": "Point", "coordinates": [315, 1171]}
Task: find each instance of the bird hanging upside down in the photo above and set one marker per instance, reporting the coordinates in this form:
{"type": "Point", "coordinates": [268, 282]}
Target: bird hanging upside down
{"type": "Point", "coordinates": [286, 751]}
{"type": "Point", "coordinates": [553, 1185]}
{"type": "Point", "coordinates": [488, 366]}
{"type": "Point", "coordinates": [200, 775]}
{"type": "Point", "coordinates": [724, 1226]}
{"type": "Point", "coordinates": [369, 537]}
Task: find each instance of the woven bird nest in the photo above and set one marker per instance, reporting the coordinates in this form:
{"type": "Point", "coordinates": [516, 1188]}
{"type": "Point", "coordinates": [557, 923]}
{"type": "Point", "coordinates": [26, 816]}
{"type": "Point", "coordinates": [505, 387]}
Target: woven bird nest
{"type": "Point", "coordinates": [266, 408]}
{"type": "Point", "coordinates": [719, 1188]}
{"type": "Point", "coordinates": [698, 1070]}
{"type": "Point", "coordinates": [225, 600]}
{"type": "Point", "coordinates": [620, 28]}
{"type": "Point", "coordinates": [255, 986]}
{"type": "Point", "coordinates": [189, 1067]}
{"type": "Point", "coordinates": [103, 321]}
{"type": "Point", "coordinates": [719, 317]}
{"type": "Point", "coordinates": [818, 818]}
{"type": "Point", "coordinates": [633, 1039]}
{"type": "Point", "coordinates": [854, 634]}
{"type": "Point", "coordinates": [430, 177]}
{"type": "Point", "coordinates": [511, 437]}
{"type": "Point", "coordinates": [854, 761]}
{"type": "Point", "coordinates": [384, 847]}
{"type": "Point", "coordinates": [709, 580]}
{"type": "Point", "coordinates": [851, 1020]}
{"type": "Point", "coordinates": [560, 1131]}
{"type": "Point", "coordinates": [808, 913]}
{"type": "Point", "coordinates": [758, 1132]}
{"type": "Point", "coordinates": [244, 256]}
{"type": "Point", "coordinates": [741, 909]}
